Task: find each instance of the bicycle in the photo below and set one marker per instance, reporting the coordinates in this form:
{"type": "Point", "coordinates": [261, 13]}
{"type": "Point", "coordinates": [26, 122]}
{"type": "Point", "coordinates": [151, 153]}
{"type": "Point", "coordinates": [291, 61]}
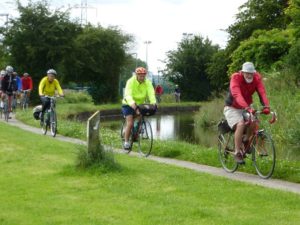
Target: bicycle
{"type": "Point", "coordinates": [25, 100]}
{"type": "Point", "coordinates": [141, 131]}
{"type": "Point", "coordinates": [5, 110]}
{"type": "Point", "coordinates": [260, 147]}
{"type": "Point", "coordinates": [14, 102]}
{"type": "Point", "coordinates": [50, 118]}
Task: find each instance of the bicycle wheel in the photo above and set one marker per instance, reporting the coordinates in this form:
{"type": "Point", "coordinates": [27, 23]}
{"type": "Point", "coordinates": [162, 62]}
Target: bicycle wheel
{"type": "Point", "coordinates": [264, 156]}
{"type": "Point", "coordinates": [24, 104]}
{"type": "Point", "coordinates": [226, 152]}
{"type": "Point", "coordinates": [45, 124]}
{"type": "Point", "coordinates": [6, 111]}
{"type": "Point", "coordinates": [145, 139]}
{"type": "Point", "coordinates": [53, 123]}
{"type": "Point", "coordinates": [124, 124]}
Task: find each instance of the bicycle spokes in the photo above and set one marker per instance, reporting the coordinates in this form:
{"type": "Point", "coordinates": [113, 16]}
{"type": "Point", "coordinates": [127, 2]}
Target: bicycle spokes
{"type": "Point", "coordinates": [226, 152]}
{"type": "Point", "coordinates": [264, 155]}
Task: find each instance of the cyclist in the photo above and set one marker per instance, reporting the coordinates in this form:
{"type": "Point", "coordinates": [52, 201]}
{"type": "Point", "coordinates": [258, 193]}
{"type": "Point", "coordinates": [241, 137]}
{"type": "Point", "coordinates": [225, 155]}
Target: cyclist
{"type": "Point", "coordinates": [19, 85]}
{"type": "Point", "coordinates": [2, 74]}
{"type": "Point", "coordinates": [137, 90]}
{"type": "Point", "coordinates": [243, 84]}
{"type": "Point", "coordinates": [158, 92]}
{"type": "Point", "coordinates": [26, 84]}
{"type": "Point", "coordinates": [47, 87]}
{"type": "Point", "coordinates": [8, 85]}
{"type": "Point", "coordinates": [177, 93]}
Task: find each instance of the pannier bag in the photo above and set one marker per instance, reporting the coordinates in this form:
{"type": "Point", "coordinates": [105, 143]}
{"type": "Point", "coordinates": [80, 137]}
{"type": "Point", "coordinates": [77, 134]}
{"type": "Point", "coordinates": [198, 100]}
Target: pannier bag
{"type": "Point", "coordinates": [36, 112]}
{"type": "Point", "coordinates": [223, 127]}
{"type": "Point", "coordinates": [147, 109]}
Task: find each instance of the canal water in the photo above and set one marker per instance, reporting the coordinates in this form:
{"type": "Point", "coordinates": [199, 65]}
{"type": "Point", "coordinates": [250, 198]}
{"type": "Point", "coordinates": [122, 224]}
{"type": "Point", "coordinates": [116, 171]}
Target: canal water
{"type": "Point", "coordinates": [177, 126]}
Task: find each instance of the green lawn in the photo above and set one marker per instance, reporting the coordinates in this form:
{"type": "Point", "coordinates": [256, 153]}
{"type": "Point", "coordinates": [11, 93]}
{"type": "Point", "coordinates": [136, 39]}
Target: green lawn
{"type": "Point", "coordinates": [40, 185]}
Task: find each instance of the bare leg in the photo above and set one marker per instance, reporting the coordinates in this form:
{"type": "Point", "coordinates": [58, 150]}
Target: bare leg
{"type": "Point", "coordinates": [238, 135]}
{"type": "Point", "coordinates": [129, 122]}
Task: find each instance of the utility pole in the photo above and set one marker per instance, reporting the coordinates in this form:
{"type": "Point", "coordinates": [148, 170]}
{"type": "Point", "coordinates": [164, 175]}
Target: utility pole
{"type": "Point", "coordinates": [83, 12]}
{"type": "Point", "coordinates": [147, 43]}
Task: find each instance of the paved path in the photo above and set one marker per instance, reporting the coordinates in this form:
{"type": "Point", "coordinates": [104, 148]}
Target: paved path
{"type": "Point", "coordinates": [239, 176]}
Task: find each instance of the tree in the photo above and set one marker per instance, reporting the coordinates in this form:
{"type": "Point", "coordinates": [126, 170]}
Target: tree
{"type": "Point", "coordinates": [254, 15]}
{"type": "Point", "coordinates": [187, 67]}
{"type": "Point", "coordinates": [264, 49]}
{"type": "Point", "coordinates": [217, 71]}
{"type": "Point", "coordinates": [39, 39]}
{"type": "Point", "coordinates": [100, 54]}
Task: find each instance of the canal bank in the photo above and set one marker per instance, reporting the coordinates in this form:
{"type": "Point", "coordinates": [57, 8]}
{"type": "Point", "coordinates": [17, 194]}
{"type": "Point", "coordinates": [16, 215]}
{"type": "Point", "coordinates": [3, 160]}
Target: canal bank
{"type": "Point", "coordinates": [116, 113]}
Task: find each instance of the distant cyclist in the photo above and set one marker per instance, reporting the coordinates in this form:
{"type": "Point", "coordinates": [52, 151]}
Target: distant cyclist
{"type": "Point", "coordinates": [47, 87]}
{"type": "Point", "coordinates": [137, 90]}
{"type": "Point", "coordinates": [8, 85]}
{"type": "Point", "coordinates": [26, 84]}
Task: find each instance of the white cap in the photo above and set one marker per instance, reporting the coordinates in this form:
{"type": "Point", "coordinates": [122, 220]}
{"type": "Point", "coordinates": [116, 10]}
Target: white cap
{"type": "Point", "coordinates": [248, 67]}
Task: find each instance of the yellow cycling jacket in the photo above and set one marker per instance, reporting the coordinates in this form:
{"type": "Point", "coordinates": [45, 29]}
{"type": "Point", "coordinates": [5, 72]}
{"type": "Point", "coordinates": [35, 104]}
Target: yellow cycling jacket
{"type": "Point", "coordinates": [136, 92]}
{"type": "Point", "coordinates": [47, 88]}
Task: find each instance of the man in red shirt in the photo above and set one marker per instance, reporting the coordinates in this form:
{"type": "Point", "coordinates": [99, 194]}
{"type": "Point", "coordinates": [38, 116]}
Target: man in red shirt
{"type": "Point", "coordinates": [26, 85]}
{"type": "Point", "coordinates": [158, 92]}
{"type": "Point", "coordinates": [243, 84]}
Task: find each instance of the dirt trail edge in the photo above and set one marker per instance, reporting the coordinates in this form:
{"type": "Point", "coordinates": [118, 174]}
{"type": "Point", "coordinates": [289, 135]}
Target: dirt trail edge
{"type": "Point", "coordinates": [238, 176]}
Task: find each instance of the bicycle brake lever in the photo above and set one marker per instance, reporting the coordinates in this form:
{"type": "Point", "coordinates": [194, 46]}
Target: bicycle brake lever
{"type": "Point", "coordinates": [274, 118]}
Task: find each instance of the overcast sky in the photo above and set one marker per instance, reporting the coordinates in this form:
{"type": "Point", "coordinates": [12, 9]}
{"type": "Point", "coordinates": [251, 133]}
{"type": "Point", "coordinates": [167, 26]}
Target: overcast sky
{"type": "Point", "coordinates": [162, 22]}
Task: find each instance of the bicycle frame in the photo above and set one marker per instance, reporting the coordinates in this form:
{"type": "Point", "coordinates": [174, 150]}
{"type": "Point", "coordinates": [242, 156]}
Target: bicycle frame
{"type": "Point", "coordinates": [25, 99]}
{"type": "Point", "coordinates": [50, 120]}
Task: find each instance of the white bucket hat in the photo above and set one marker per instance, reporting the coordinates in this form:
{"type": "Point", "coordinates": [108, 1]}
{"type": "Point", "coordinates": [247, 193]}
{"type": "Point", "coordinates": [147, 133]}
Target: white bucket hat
{"type": "Point", "coordinates": [248, 67]}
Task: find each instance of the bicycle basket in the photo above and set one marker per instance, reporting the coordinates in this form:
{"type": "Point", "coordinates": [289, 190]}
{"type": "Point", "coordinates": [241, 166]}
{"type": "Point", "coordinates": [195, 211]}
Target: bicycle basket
{"type": "Point", "coordinates": [147, 109]}
{"type": "Point", "coordinates": [223, 127]}
{"type": "Point", "coordinates": [36, 112]}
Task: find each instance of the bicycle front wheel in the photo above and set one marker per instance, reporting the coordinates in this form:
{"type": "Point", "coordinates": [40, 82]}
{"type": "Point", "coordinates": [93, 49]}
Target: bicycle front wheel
{"type": "Point", "coordinates": [264, 156]}
{"type": "Point", "coordinates": [145, 138]}
{"type": "Point", "coordinates": [6, 111]}
{"type": "Point", "coordinates": [45, 123]}
{"type": "Point", "coordinates": [53, 123]}
{"type": "Point", "coordinates": [226, 152]}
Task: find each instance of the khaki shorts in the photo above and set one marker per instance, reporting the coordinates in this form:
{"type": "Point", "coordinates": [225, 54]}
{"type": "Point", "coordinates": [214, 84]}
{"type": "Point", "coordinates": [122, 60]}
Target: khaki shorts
{"type": "Point", "coordinates": [233, 115]}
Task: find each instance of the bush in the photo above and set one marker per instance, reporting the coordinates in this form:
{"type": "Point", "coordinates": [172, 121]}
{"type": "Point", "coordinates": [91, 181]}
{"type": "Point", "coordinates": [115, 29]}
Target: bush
{"type": "Point", "coordinates": [293, 59]}
{"type": "Point", "coordinates": [263, 48]}
{"type": "Point", "coordinates": [76, 97]}
{"type": "Point", "coordinates": [100, 159]}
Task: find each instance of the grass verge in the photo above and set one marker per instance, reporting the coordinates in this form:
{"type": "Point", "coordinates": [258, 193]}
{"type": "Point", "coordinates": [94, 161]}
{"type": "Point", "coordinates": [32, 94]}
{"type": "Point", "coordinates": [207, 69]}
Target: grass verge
{"type": "Point", "coordinates": [285, 170]}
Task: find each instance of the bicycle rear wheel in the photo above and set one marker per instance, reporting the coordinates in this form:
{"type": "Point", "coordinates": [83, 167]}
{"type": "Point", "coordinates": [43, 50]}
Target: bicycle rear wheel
{"type": "Point", "coordinates": [123, 126]}
{"type": "Point", "coordinates": [264, 156]}
{"type": "Point", "coordinates": [53, 123]}
{"type": "Point", "coordinates": [226, 151]}
{"type": "Point", "coordinates": [145, 138]}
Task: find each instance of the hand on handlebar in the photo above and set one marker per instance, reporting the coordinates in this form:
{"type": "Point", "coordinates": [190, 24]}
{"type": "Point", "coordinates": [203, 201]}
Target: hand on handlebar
{"type": "Point", "coordinates": [266, 110]}
{"type": "Point", "coordinates": [250, 110]}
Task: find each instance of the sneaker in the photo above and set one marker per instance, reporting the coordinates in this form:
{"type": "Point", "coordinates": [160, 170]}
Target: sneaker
{"type": "Point", "coordinates": [239, 158]}
{"type": "Point", "coordinates": [126, 146]}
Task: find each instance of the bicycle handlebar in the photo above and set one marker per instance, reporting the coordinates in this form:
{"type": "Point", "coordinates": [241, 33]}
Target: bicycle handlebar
{"type": "Point", "coordinates": [272, 113]}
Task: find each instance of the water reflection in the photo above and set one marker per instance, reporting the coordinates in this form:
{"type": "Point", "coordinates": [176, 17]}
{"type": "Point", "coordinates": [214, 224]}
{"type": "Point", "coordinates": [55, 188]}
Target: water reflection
{"type": "Point", "coordinates": [178, 126]}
